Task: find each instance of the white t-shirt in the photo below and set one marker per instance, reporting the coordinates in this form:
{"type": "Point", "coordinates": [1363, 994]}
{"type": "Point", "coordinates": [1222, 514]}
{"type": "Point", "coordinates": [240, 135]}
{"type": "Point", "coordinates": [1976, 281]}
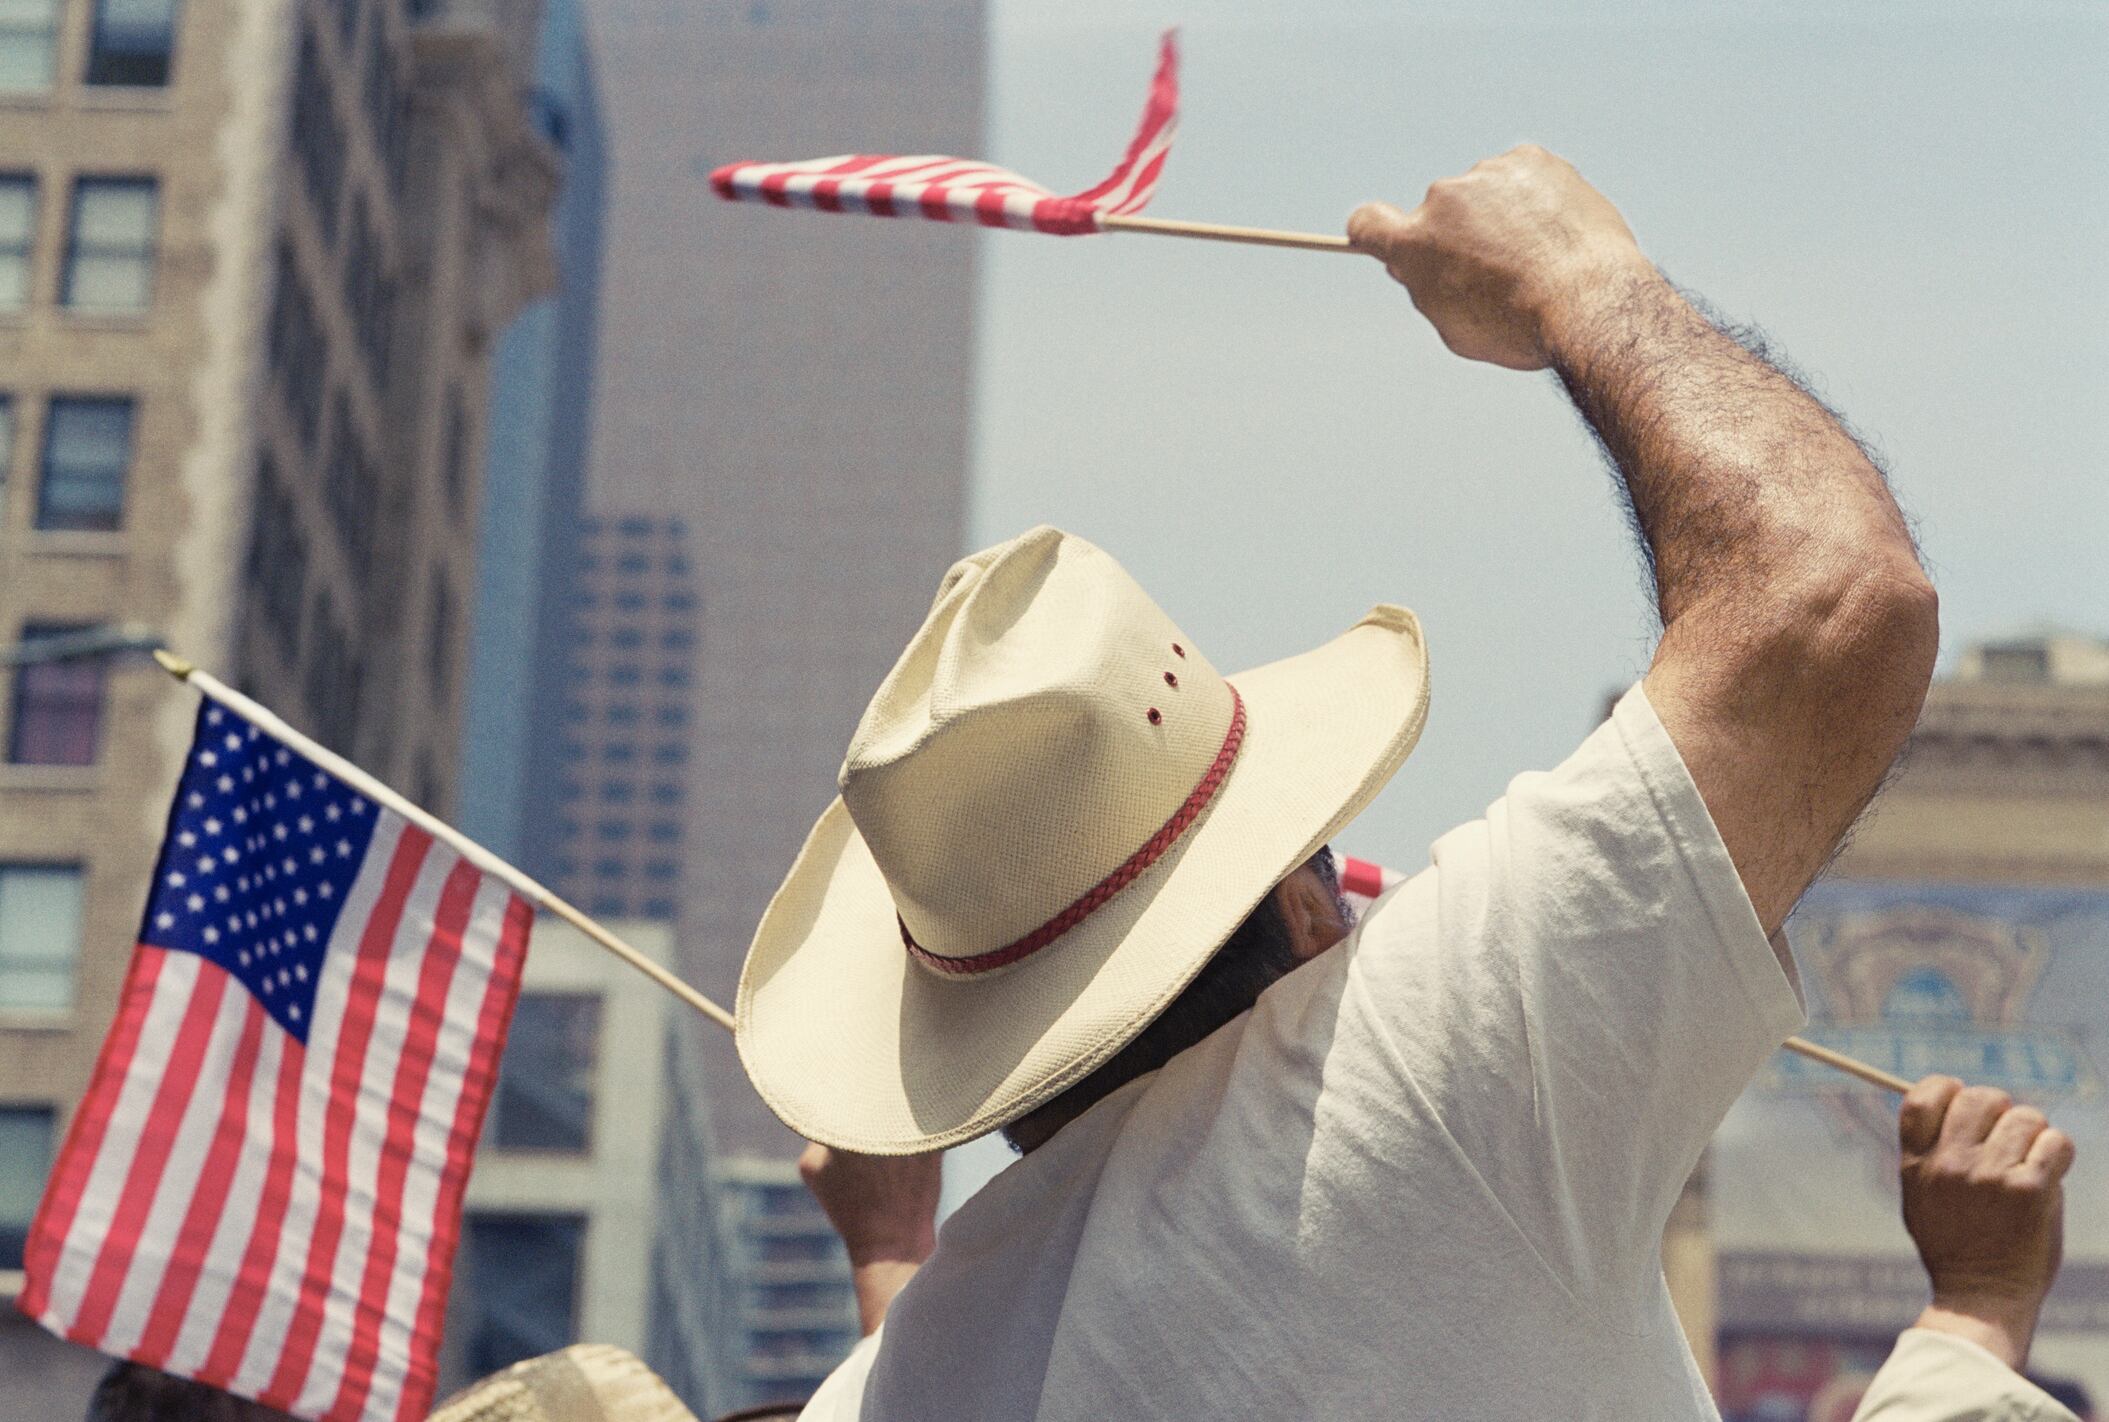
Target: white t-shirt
{"type": "Point", "coordinates": [1425, 1177]}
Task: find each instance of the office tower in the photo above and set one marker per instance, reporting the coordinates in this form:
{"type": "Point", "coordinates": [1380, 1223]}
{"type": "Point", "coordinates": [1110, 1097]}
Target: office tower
{"type": "Point", "coordinates": [252, 258]}
{"type": "Point", "coordinates": [611, 841]}
{"type": "Point", "coordinates": [795, 388]}
{"type": "Point", "coordinates": [534, 480]}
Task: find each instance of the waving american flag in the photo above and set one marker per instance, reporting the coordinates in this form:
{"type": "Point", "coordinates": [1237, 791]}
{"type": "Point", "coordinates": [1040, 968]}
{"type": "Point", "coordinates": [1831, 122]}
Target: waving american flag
{"type": "Point", "coordinates": [964, 190]}
{"type": "Point", "coordinates": [262, 1187]}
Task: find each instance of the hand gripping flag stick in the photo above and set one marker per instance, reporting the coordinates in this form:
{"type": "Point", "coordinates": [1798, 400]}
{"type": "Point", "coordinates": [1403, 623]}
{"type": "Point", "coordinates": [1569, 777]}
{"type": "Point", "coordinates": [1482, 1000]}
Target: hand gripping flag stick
{"type": "Point", "coordinates": [216, 690]}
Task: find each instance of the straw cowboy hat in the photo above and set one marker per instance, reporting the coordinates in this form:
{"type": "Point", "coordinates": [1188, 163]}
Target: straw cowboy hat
{"type": "Point", "coordinates": [587, 1382]}
{"type": "Point", "coordinates": [1053, 812]}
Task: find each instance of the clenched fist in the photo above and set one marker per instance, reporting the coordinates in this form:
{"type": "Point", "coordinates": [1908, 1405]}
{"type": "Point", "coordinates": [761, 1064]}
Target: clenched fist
{"type": "Point", "coordinates": [1983, 1203]}
{"type": "Point", "coordinates": [1501, 257]}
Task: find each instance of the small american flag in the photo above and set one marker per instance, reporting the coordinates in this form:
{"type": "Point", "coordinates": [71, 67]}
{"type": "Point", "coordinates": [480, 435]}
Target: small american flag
{"type": "Point", "coordinates": [1361, 882]}
{"type": "Point", "coordinates": [262, 1187]}
{"type": "Point", "coordinates": [964, 190]}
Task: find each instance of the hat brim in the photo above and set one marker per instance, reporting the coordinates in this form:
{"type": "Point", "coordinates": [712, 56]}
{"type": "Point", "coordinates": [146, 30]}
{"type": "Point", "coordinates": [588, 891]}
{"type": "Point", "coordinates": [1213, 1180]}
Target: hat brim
{"type": "Point", "coordinates": [856, 1046]}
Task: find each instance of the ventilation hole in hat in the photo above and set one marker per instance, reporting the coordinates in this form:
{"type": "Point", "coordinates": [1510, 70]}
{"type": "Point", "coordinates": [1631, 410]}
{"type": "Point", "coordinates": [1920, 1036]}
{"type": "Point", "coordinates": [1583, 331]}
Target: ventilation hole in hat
{"type": "Point", "coordinates": [1170, 680]}
{"type": "Point", "coordinates": [1177, 650]}
{"type": "Point", "coordinates": [1156, 717]}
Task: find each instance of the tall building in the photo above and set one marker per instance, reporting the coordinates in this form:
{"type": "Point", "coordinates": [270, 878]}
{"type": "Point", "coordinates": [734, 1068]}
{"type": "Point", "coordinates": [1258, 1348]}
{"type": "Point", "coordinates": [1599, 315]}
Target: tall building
{"type": "Point", "coordinates": [534, 477]}
{"type": "Point", "coordinates": [796, 388]}
{"type": "Point", "coordinates": [252, 257]}
{"type": "Point", "coordinates": [611, 838]}
{"type": "Point", "coordinates": [1965, 931]}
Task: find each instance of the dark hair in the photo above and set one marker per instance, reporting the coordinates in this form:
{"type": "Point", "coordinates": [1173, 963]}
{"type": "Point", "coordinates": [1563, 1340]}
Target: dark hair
{"type": "Point", "coordinates": [132, 1392]}
{"type": "Point", "coordinates": [1255, 957]}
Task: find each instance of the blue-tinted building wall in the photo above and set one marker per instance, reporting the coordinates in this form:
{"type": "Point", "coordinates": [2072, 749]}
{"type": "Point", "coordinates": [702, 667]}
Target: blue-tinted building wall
{"type": "Point", "coordinates": [541, 407]}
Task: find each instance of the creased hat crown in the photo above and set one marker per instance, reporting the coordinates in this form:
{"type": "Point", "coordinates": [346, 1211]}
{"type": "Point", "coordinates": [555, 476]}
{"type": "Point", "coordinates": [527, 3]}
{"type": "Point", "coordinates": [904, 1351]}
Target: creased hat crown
{"type": "Point", "coordinates": [1044, 724]}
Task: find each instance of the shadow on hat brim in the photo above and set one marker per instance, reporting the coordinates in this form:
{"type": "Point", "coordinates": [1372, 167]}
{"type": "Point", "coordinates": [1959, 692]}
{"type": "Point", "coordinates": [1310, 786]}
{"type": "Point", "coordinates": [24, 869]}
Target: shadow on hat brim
{"type": "Point", "coordinates": [854, 1045]}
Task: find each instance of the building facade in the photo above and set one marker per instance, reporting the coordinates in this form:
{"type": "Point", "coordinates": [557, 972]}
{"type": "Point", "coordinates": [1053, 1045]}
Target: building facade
{"type": "Point", "coordinates": [796, 388]}
{"type": "Point", "coordinates": [252, 256]}
{"type": "Point", "coordinates": [794, 1309]}
{"type": "Point", "coordinates": [1965, 931]}
{"type": "Point", "coordinates": [611, 837]}
{"type": "Point", "coordinates": [534, 479]}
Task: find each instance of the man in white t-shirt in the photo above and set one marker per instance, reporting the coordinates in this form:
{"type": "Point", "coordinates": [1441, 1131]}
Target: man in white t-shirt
{"type": "Point", "coordinates": [1425, 1173]}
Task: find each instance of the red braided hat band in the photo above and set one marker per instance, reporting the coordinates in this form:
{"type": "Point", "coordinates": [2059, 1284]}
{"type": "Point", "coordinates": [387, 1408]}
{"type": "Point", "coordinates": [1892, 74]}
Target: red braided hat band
{"type": "Point", "coordinates": [1096, 896]}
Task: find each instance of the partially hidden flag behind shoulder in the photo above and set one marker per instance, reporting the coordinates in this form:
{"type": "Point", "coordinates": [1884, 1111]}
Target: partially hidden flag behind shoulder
{"type": "Point", "coordinates": [963, 189]}
{"type": "Point", "coordinates": [262, 1187]}
{"type": "Point", "coordinates": [1362, 882]}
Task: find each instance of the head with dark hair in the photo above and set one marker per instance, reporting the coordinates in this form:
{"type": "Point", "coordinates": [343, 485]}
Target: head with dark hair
{"type": "Point", "coordinates": [1300, 917]}
{"type": "Point", "coordinates": [133, 1392]}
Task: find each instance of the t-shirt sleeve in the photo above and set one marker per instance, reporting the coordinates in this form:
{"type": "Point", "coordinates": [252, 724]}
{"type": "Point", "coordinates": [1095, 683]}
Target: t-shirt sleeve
{"type": "Point", "coordinates": [1938, 1377]}
{"type": "Point", "coordinates": [1575, 991]}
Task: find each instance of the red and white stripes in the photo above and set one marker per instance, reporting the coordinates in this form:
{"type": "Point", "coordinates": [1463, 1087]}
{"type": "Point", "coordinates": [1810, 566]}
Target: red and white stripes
{"type": "Point", "coordinates": [280, 1219]}
{"type": "Point", "coordinates": [964, 190]}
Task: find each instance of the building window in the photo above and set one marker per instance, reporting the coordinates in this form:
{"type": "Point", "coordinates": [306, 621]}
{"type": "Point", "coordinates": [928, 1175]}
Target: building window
{"type": "Point", "coordinates": [110, 247]}
{"type": "Point", "coordinates": [677, 639]}
{"type": "Point", "coordinates": [619, 792]}
{"type": "Point", "coordinates": [666, 792]}
{"type": "Point", "coordinates": [18, 236]}
{"type": "Point", "coordinates": [131, 42]}
{"type": "Point", "coordinates": [351, 491]}
{"type": "Point", "coordinates": [679, 602]}
{"type": "Point", "coordinates": [58, 706]}
{"type": "Point", "coordinates": [40, 936]}
{"type": "Point", "coordinates": [619, 753]}
{"type": "Point", "coordinates": [625, 674]}
{"type": "Point", "coordinates": [29, 31]}
{"type": "Point", "coordinates": [87, 451]}
{"type": "Point", "coordinates": [610, 869]}
{"type": "Point", "coordinates": [659, 908]}
{"type": "Point", "coordinates": [672, 753]}
{"type": "Point", "coordinates": [278, 558]}
{"type": "Point", "coordinates": [636, 563]}
{"type": "Point", "coordinates": [545, 1088]}
{"type": "Point", "coordinates": [629, 601]}
{"type": "Point", "coordinates": [25, 1159]}
{"type": "Point", "coordinates": [673, 715]}
{"type": "Point", "coordinates": [519, 1287]}
{"type": "Point", "coordinates": [614, 831]}
{"type": "Point", "coordinates": [674, 676]}
{"type": "Point", "coordinates": [662, 871]}
{"type": "Point", "coordinates": [626, 638]}
{"type": "Point", "coordinates": [318, 136]}
{"type": "Point", "coordinates": [664, 832]}
{"type": "Point", "coordinates": [623, 713]}
{"type": "Point", "coordinates": [297, 350]}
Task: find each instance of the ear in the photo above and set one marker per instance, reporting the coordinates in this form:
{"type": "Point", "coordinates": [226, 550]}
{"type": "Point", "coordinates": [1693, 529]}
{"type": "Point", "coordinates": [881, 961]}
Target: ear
{"type": "Point", "coordinates": [1311, 912]}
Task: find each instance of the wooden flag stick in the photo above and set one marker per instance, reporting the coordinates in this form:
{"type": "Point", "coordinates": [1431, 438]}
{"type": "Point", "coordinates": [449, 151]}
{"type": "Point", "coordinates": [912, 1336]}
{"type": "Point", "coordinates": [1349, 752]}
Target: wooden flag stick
{"type": "Point", "coordinates": [1851, 1066]}
{"type": "Point", "coordinates": [1216, 232]}
{"type": "Point", "coordinates": [216, 690]}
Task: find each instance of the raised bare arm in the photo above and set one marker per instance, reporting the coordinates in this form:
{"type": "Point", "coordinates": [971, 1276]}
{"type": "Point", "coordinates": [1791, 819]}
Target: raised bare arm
{"type": "Point", "coordinates": [1799, 631]}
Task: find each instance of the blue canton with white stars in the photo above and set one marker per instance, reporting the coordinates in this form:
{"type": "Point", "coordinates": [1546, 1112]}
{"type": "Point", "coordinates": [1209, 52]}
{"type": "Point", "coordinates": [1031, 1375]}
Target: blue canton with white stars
{"type": "Point", "coordinates": [262, 848]}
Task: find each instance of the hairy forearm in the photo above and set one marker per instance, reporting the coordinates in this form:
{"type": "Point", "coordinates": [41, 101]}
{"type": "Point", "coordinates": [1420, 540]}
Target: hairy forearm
{"type": "Point", "coordinates": [1754, 503]}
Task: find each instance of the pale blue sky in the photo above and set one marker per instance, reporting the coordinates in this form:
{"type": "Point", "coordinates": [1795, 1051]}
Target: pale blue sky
{"type": "Point", "coordinates": [1913, 205]}
{"type": "Point", "coordinates": [1913, 202]}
